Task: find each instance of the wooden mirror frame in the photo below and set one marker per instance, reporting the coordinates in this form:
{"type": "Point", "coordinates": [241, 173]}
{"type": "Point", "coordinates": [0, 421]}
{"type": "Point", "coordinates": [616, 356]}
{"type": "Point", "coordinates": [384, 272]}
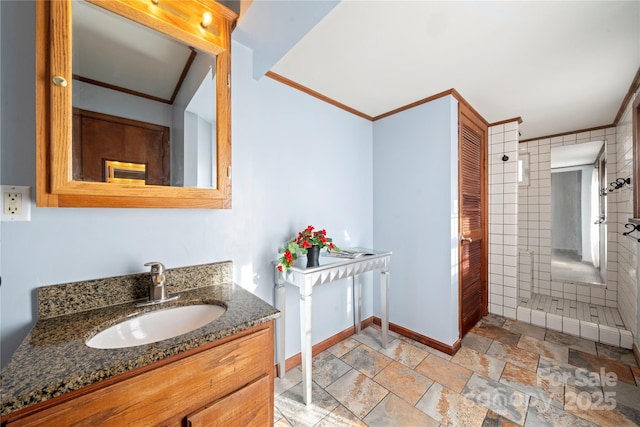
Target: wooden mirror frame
{"type": "Point", "coordinates": [180, 20]}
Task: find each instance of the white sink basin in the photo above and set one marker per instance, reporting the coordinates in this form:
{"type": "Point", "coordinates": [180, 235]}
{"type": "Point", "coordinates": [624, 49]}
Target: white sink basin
{"type": "Point", "coordinates": [156, 326]}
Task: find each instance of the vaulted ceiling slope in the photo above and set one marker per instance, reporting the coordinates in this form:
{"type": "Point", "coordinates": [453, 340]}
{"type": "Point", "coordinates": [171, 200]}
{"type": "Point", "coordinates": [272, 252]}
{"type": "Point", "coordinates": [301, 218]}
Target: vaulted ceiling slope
{"type": "Point", "coordinates": [560, 65]}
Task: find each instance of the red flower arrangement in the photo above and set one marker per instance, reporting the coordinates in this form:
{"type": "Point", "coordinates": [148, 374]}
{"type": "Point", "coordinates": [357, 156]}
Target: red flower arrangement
{"type": "Point", "coordinates": [305, 239]}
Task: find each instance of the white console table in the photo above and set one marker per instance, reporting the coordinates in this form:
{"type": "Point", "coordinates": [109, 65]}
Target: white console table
{"type": "Point", "coordinates": [305, 279]}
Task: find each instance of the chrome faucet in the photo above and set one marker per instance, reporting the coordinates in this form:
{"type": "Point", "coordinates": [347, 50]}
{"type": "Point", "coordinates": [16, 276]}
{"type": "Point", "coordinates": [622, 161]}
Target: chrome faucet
{"type": "Point", "coordinates": [157, 288]}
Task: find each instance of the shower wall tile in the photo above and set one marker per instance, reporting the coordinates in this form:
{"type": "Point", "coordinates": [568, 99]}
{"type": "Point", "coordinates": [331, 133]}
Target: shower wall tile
{"type": "Point", "coordinates": [534, 204]}
{"type": "Point", "coordinates": [503, 220]}
{"type": "Point", "coordinates": [626, 259]}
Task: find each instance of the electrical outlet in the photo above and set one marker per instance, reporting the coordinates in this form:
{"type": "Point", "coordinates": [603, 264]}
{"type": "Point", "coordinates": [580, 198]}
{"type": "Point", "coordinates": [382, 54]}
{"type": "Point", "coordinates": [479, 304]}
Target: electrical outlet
{"type": "Point", "coordinates": [12, 203]}
{"type": "Point", "coordinates": [16, 203]}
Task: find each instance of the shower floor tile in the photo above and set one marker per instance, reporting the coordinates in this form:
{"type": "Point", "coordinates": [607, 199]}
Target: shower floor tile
{"type": "Point", "coordinates": [574, 309]}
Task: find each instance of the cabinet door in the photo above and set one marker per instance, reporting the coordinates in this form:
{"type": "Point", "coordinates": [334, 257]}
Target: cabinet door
{"type": "Point", "coordinates": [246, 407]}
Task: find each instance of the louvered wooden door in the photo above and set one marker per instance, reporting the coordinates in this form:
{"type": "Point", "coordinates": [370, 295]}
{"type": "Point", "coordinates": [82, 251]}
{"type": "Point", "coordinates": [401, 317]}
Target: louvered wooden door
{"type": "Point", "coordinates": [473, 294]}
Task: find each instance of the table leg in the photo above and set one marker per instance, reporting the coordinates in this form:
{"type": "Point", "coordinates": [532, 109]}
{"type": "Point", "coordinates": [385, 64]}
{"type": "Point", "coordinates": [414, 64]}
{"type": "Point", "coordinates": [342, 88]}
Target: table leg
{"type": "Point", "coordinates": [305, 341]}
{"type": "Point", "coordinates": [280, 297]}
{"type": "Point", "coordinates": [384, 302]}
{"type": "Point", "coordinates": [357, 302]}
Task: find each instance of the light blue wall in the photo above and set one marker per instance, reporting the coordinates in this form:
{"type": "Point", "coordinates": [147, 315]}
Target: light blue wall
{"type": "Point", "coordinates": [296, 161]}
{"type": "Point", "coordinates": [415, 215]}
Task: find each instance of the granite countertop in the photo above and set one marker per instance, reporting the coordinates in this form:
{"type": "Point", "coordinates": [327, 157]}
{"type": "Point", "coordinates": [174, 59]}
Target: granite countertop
{"type": "Point", "coordinates": [54, 359]}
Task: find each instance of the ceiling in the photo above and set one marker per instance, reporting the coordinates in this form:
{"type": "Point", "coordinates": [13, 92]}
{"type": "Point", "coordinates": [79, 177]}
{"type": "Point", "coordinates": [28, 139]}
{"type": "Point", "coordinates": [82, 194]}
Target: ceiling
{"type": "Point", "coordinates": [560, 66]}
{"type": "Point", "coordinates": [116, 51]}
{"type": "Point", "coordinates": [582, 154]}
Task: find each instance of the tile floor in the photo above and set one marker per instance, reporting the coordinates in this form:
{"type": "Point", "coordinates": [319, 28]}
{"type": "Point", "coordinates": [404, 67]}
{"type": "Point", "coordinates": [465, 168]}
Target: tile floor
{"type": "Point", "coordinates": [506, 373]}
{"type": "Point", "coordinates": [574, 309]}
{"type": "Point", "coordinates": [568, 266]}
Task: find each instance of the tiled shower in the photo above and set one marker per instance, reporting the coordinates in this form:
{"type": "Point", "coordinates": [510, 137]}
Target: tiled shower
{"type": "Point", "coordinates": [520, 283]}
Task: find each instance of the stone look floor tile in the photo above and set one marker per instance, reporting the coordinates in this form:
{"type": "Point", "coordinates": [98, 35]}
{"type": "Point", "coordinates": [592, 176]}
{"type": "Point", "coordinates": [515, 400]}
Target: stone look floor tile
{"type": "Point", "coordinates": [623, 393]}
{"type": "Point", "coordinates": [561, 391]}
{"type": "Point", "coordinates": [393, 411]}
{"type": "Point", "coordinates": [494, 420]}
{"type": "Point", "coordinates": [372, 337]}
{"type": "Point", "coordinates": [564, 373]}
{"type": "Point", "coordinates": [426, 348]}
{"type": "Point", "coordinates": [542, 414]}
{"type": "Point", "coordinates": [570, 341]}
{"type": "Point", "coordinates": [494, 320]}
{"type": "Point", "coordinates": [445, 372]}
{"type": "Point", "coordinates": [405, 353]}
{"type": "Point", "coordinates": [291, 406]}
{"type": "Point", "coordinates": [618, 354]}
{"type": "Point", "coordinates": [450, 408]}
{"type": "Point", "coordinates": [340, 416]}
{"type": "Point", "coordinates": [357, 392]}
{"type": "Point", "coordinates": [476, 342]}
{"type": "Point", "coordinates": [517, 356]}
{"type": "Point", "coordinates": [543, 348]}
{"type": "Point", "coordinates": [292, 377]}
{"type": "Point", "coordinates": [524, 329]}
{"type": "Point", "coordinates": [496, 333]}
{"type": "Point", "coordinates": [277, 416]}
{"type": "Point", "coordinates": [596, 364]}
{"type": "Point", "coordinates": [483, 364]}
{"type": "Point", "coordinates": [592, 407]}
{"type": "Point", "coordinates": [343, 347]}
{"type": "Point", "coordinates": [282, 422]}
{"type": "Point", "coordinates": [531, 384]}
{"type": "Point", "coordinates": [406, 383]}
{"type": "Point", "coordinates": [500, 398]}
{"type": "Point", "coordinates": [326, 368]}
{"type": "Point", "coordinates": [366, 360]}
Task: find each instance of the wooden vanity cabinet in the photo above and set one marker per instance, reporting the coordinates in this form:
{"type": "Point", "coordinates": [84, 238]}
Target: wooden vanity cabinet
{"type": "Point", "coordinates": [225, 383]}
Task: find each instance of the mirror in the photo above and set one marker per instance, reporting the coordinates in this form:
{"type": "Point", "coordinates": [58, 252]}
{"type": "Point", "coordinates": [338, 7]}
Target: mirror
{"type": "Point", "coordinates": [579, 213]}
{"type": "Point", "coordinates": [137, 115]}
{"type": "Point", "coordinates": [140, 97]}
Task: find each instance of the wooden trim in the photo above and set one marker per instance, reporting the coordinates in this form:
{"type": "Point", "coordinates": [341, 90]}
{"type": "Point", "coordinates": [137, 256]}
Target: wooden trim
{"type": "Point", "coordinates": [414, 104]}
{"type": "Point", "coordinates": [120, 89]}
{"type": "Point", "coordinates": [451, 92]}
{"type": "Point", "coordinates": [636, 353]}
{"type": "Point", "coordinates": [324, 98]}
{"type": "Point", "coordinates": [185, 71]}
{"type": "Point", "coordinates": [471, 109]}
{"type": "Point", "coordinates": [515, 119]}
{"type": "Point", "coordinates": [568, 133]}
{"type": "Point", "coordinates": [43, 100]}
{"type": "Point", "coordinates": [311, 92]}
{"type": "Point", "coordinates": [635, 84]}
{"type": "Point", "coordinates": [296, 359]}
{"type": "Point", "coordinates": [430, 342]}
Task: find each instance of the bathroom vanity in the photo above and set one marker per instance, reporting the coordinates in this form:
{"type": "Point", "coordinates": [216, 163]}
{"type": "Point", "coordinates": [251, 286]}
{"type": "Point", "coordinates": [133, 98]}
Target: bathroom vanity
{"type": "Point", "coordinates": [219, 374]}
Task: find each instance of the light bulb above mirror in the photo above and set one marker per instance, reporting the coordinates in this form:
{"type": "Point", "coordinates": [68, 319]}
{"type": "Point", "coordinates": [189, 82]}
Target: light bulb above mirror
{"type": "Point", "coordinates": [206, 19]}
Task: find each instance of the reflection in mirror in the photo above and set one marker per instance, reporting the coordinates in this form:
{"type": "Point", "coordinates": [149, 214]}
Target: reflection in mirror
{"type": "Point", "coordinates": [578, 213]}
{"type": "Point", "coordinates": [140, 97]}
